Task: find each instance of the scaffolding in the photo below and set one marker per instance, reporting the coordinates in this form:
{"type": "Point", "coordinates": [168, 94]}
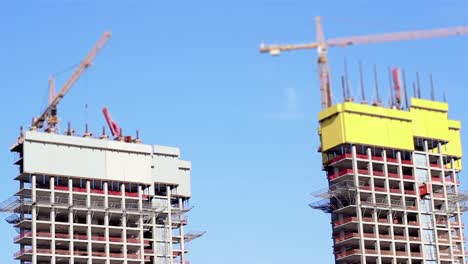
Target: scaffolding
{"type": "Point", "coordinates": [337, 196]}
{"type": "Point", "coordinates": [455, 201]}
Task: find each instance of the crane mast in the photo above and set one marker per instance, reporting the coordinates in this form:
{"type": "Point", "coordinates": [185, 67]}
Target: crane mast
{"type": "Point", "coordinates": [323, 67]}
{"type": "Point", "coordinates": [322, 44]}
{"type": "Point", "coordinates": [50, 113]}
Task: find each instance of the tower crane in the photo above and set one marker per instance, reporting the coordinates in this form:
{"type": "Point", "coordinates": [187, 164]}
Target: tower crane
{"type": "Point", "coordinates": [322, 45]}
{"type": "Point", "coordinates": [50, 113]}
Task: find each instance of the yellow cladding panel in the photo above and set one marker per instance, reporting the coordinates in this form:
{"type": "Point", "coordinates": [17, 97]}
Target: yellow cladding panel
{"type": "Point", "coordinates": [453, 147]}
{"type": "Point", "coordinates": [378, 131]}
{"type": "Point", "coordinates": [367, 125]}
{"type": "Point", "coordinates": [331, 132]}
{"type": "Point", "coordinates": [429, 105]}
{"type": "Point", "coordinates": [430, 119]}
{"type": "Point", "coordinates": [378, 126]}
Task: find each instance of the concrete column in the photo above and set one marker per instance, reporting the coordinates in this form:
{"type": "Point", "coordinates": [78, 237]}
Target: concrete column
{"type": "Point", "coordinates": [459, 212]}
{"type": "Point", "coordinates": [140, 209]}
{"type": "Point", "coordinates": [89, 222]}
{"type": "Point", "coordinates": [404, 218]}
{"type": "Point", "coordinates": [70, 190]}
{"type": "Point", "coordinates": [124, 223]}
{"type": "Point", "coordinates": [140, 198]}
{"type": "Point", "coordinates": [34, 220]}
{"type": "Point", "coordinates": [106, 220]}
{"type": "Point", "coordinates": [374, 211]}
{"type": "Point", "coordinates": [142, 241]}
{"type": "Point", "coordinates": [434, 219]}
{"type": "Point", "coordinates": [124, 236]}
{"type": "Point", "coordinates": [89, 234]}
{"type": "Point", "coordinates": [52, 218]}
{"type": "Point", "coordinates": [446, 201]}
{"type": "Point", "coordinates": [70, 220]}
{"type": "Point", "coordinates": [389, 203]}
{"type": "Point", "coordinates": [358, 205]}
{"type": "Point", "coordinates": [88, 193]}
{"type": "Point", "coordinates": [181, 232]}
{"type": "Point", "coordinates": [153, 221]}
{"type": "Point", "coordinates": [33, 188]}
{"type": "Point", "coordinates": [169, 222]}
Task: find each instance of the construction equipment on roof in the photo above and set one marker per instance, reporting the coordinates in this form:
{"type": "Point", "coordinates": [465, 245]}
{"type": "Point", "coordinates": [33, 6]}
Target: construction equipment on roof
{"type": "Point", "coordinates": [50, 113]}
{"type": "Point", "coordinates": [322, 45]}
{"type": "Point", "coordinates": [113, 126]}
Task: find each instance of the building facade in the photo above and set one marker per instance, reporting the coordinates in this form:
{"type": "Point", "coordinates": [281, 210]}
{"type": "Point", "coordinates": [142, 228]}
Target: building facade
{"type": "Point", "coordinates": [393, 179]}
{"type": "Point", "coordinates": [89, 200]}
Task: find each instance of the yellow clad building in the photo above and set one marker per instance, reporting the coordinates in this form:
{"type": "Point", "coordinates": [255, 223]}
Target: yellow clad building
{"type": "Point", "coordinates": [393, 183]}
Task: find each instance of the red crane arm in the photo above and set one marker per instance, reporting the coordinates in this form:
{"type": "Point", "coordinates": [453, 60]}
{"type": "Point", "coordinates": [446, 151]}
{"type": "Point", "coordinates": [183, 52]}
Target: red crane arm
{"type": "Point", "coordinates": [114, 128]}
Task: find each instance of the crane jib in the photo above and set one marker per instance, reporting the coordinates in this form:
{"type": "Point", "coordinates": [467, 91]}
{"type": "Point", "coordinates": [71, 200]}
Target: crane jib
{"type": "Point", "coordinates": [86, 63]}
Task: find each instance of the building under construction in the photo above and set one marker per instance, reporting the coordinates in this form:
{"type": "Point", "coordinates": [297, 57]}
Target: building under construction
{"type": "Point", "coordinates": [393, 183]}
{"type": "Point", "coordinates": [393, 172]}
{"type": "Point", "coordinates": [83, 199]}
{"type": "Point", "coordinates": [90, 200]}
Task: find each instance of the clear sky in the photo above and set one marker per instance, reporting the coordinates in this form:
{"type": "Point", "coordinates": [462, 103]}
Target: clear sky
{"type": "Point", "coordinates": [188, 74]}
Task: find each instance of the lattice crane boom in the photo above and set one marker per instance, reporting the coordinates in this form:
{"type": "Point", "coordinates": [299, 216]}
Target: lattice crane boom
{"type": "Point", "coordinates": [322, 45]}
{"type": "Point", "coordinates": [50, 113]}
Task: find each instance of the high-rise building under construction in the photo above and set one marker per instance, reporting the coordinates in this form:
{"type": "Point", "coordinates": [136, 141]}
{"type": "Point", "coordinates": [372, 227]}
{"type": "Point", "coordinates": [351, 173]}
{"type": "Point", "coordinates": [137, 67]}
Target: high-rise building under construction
{"type": "Point", "coordinates": [94, 200]}
{"type": "Point", "coordinates": [393, 178]}
{"type": "Point", "coordinates": [83, 199]}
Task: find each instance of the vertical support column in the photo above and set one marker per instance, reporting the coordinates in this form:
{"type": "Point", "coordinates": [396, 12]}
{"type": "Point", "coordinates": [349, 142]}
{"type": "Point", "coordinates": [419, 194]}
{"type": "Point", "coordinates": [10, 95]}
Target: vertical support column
{"type": "Point", "coordinates": [124, 223]}
{"type": "Point", "coordinates": [402, 187]}
{"type": "Point", "coordinates": [358, 206]}
{"type": "Point", "coordinates": [459, 212]}
{"type": "Point", "coordinates": [34, 219]}
{"type": "Point", "coordinates": [434, 220]}
{"type": "Point", "coordinates": [154, 208]}
{"type": "Point", "coordinates": [106, 221]}
{"type": "Point", "coordinates": [374, 211]}
{"type": "Point", "coordinates": [70, 220]}
{"type": "Point", "coordinates": [181, 231]}
{"type": "Point", "coordinates": [389, 204]}
{"type": "Point", "coordinates": [442, 173]}
{"type": "Point", "coordinates": [142, 230]}
{"type": "Point", "coordinates": [89, 221]}
{"type": "Point", "coordinates": [52, 218]}
{"type": "Point", "coordinates": [169, 222]}
{"type": "Point", "coordinates": [155, 239]}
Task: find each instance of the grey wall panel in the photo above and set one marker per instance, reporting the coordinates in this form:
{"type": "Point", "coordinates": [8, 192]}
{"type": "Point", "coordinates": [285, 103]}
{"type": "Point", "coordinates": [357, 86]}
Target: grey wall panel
{"type": "Point", "coordinates": [54, 154]}
{"type": "Point", "coordinates": [42, 158]}
{"type": "Point", "coordinates": [169, 169]}
{"type": "Point", "coordinates": [165, 168]}
{"type": "Point", "coordinates": [86, 157]}
{"type": "Point", "coordinates": [128, 167]}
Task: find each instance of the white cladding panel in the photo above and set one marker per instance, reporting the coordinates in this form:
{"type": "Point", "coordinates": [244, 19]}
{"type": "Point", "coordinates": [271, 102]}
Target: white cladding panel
{"type": "Point", "coordinates": [42, 158]}
{"type": "Point", "coordinates": [169, 169]}
{"type": "Point", "coordinates": [54, 154]}
{"type": "Point", "coordinates": [128, 167]}
{"type": "Point", "coordinates": [165, 168]}
{"type": "Point", "coordinates": [86, 157]}
{"type": "Point", "coordinates": [184, 183]}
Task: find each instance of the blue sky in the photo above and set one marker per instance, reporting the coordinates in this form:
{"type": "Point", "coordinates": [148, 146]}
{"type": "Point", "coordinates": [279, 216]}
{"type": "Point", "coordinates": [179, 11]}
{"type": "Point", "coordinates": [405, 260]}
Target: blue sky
{"type": "Point", "coordinates": [188, 74]}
